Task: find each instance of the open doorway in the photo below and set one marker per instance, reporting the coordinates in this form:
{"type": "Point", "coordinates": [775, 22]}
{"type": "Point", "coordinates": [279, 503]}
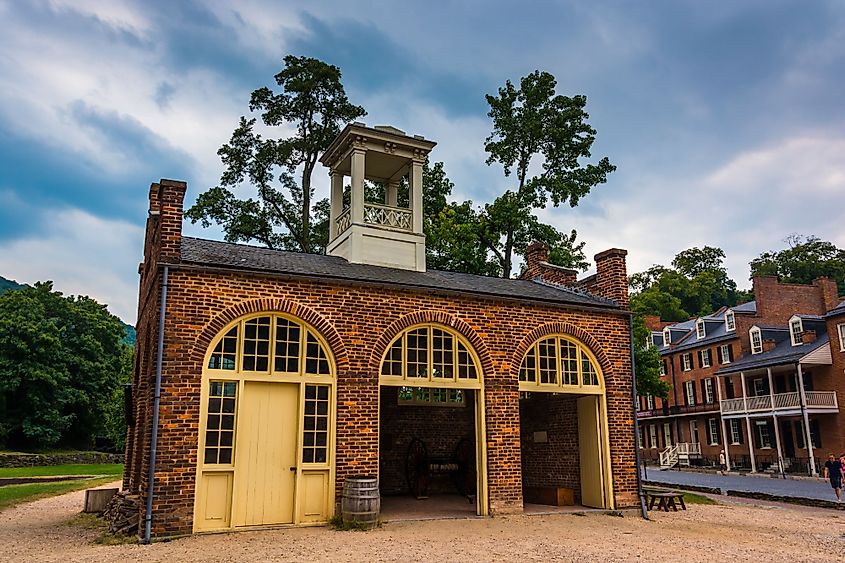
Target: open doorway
{"type": "Point", "coordinates": [429, 456]}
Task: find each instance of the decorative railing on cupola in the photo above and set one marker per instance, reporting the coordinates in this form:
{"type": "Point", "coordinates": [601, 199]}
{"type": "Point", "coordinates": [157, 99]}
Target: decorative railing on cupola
{"type": "Point", "coordinates": [378, 214]}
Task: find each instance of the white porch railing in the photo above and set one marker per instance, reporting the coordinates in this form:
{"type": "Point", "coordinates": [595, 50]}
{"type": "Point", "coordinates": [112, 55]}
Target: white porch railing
{"type": "Point", "coordinates": [679, 454]}
{"type": "Point", "coordinates": [343, 220]}
{"type": "Point", "coordinates": [782, 401]}
{"type": "Point", "coordinates": [387, 216]}
{"type": "Point", "coordinates": [669, 457]}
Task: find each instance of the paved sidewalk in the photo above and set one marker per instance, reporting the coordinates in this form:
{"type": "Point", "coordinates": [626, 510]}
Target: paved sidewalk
{"type": "Point", "coordinates": [803, 488]}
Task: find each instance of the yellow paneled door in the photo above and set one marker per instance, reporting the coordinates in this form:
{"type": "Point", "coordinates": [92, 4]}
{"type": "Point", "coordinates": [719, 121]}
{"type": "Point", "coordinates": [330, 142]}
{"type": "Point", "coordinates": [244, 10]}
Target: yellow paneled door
{"type": "Point", "coordinates": [265, 458]}
{"type": "Point", "coordinates": [590, 452]}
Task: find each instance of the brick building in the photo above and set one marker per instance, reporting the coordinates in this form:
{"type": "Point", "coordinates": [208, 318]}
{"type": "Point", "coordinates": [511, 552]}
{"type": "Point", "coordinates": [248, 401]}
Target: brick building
{"type": "Point", "coordinates": [758, 381]}
{"type": "Point", "coordinates": [282, 374]}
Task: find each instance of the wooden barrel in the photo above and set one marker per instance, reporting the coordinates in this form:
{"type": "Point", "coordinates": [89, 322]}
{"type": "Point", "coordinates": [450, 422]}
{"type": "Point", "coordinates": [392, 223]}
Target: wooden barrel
{"type": "Point", "coordinates": [361, 501]}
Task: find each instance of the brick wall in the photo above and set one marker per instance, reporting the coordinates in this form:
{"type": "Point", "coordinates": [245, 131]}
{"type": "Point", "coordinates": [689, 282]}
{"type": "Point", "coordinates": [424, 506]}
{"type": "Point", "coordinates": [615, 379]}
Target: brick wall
{"type": "Point", "coordinates": [359, 321]}
{"type": "Point", "coordinates": [555, 462]}
{"type": "Point", "coordinates": [439, 427]}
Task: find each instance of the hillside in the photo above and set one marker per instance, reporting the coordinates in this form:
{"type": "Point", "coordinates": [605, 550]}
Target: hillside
{"type": "Point", "coordinates": [12, 285]}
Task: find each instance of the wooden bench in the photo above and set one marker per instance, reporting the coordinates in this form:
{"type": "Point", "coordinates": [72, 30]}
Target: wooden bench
{"type": "Point", "coordinates": [665, 500]}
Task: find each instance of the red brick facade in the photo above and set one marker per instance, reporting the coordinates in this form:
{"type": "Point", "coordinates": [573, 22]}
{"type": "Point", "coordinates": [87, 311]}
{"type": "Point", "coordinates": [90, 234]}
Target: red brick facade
{"type": "Point", "coordinates": [358, 321]}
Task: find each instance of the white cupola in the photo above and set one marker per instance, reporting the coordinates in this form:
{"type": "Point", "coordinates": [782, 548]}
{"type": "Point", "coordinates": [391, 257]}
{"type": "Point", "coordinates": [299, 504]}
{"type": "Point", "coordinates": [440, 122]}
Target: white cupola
{"type": "Point", "coordinates": [382, 234]}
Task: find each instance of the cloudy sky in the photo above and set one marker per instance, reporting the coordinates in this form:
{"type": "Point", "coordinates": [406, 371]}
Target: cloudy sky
{"type": "Point", "coordinates": [726, 119]}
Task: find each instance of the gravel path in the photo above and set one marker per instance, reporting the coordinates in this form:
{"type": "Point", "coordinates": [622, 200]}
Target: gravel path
{"type": "Point", "coordinates": [40, 531]}
{"type": "Point", "coordinates": [800, 488]}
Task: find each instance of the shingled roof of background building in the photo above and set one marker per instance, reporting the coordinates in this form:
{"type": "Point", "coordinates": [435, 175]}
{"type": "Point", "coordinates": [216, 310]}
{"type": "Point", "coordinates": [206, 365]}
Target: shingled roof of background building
{"type": "Point", "coordinates": [211, 253]}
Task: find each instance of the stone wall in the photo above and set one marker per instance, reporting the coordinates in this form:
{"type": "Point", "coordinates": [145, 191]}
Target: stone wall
{"type": "Point", "coordinates": [34, 460]}
{"type": "Point", "coordinates": [550, 458]}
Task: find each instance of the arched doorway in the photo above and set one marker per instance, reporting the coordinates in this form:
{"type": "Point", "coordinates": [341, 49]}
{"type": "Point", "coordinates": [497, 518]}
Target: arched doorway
{"type": "Point", "coordinates": [431, 417]}
{"type": "Point", "coordinates": [267, 418]}
{"type": "Point", "coordinates": [563, 421]}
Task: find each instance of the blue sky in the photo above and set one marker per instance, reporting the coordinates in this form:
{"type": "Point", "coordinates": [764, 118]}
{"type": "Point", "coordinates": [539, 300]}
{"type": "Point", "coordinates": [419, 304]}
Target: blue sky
{"type": "Point", "coordinates": [725, 119]}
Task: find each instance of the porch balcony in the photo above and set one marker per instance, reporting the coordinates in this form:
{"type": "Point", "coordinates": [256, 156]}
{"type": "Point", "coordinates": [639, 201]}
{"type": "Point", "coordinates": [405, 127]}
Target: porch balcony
{"type": "Point", "coordinates": [782, 403]}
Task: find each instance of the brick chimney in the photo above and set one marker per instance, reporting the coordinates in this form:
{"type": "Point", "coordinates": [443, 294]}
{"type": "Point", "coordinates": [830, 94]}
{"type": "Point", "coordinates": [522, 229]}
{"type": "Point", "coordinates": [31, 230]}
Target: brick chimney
{"type": "Point", "coordinates": [769, 344]}
{"type": "Point", "coordinates": [537, 266]}
{"type": "Point", "coordinates": [653, 322]}
{"type": "Point", "coordinates": [612, 276]}
{"type": "Point", "coordinates": [164, 224]}
{"type": "Point", "coordinates": [829, 292]}
{"type": "Point", "coordinates": [808, 336]}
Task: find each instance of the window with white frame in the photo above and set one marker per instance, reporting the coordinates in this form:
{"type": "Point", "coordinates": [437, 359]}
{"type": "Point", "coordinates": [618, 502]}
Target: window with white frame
{"type": "Point", "coordinates": [649, 401]}
{"type": "Point", "coordinates": [667, 337]}
{"type": "Point", "coordinates": [667, 434]}
{"type": "Point", "coordinates": [693, 431]}
{"type": "Point", "coordinates": [700, 329]}
{"type": "Point", "coordinates": [686, 362]}
{"type": "Point", "coordinates": [736, 432]}
{"type": "Point", "coordinates": [756, 338]}
{"type": "Point", "coordinates": [705, 358]}
{"type": "Point", "coordinates": [796, 328]}
{"type": "Point", "coordinates": [652, 436]}
{"type": "Point", "coordinates": [640, 437]}
{"type": "Point", "coordinates": [841, 329]}
{"type": "Point", "coordinates": [708, 391]}
{"type": "Point", "coordinates": [760, 387]}
{"type": "Point", "coordinates": [725, 354]}
{"type": "Point", "coordinates": [730, 321]}
{"type": "Point", "coordinates": [663, 362]}
{"type": "Point", "coordinates": [713, 431]}
{"type": "Point", "coordinates": [763, 434]}
{"type": "Point", "coordinates": [689, 392]}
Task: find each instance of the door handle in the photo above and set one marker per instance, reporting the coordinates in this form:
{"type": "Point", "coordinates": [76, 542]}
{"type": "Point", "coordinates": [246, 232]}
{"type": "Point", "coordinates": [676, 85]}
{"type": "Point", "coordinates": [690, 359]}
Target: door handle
{"type": "Point", "coordinates": [293, 468]}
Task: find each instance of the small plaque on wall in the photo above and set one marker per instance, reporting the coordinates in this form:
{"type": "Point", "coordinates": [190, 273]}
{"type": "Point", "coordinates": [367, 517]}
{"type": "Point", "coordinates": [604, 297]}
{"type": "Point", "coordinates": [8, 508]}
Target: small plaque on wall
{"type": "Point", "coordinates": [541, 437]}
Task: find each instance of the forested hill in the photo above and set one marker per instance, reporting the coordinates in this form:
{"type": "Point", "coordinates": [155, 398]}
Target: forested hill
{"type": "Point", "coordinates": [12, 285]}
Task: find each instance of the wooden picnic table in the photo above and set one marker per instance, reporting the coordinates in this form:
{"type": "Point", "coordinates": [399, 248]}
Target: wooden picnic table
{"type": "Point", "coordinates": [665, 500]}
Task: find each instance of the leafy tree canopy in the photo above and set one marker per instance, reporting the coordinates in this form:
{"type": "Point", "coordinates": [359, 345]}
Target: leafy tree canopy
{"type": "Point", "coordinates": [61, 358]}
{"type": "Point", "coordinates": [535, 127]}
{"type": "Point", "coordinates": [647, 363]}
{"type": "Point", "coordinates": [807, 258]}
{"type": "Point", "coordinates": [697, 284]}
{"type": "Point", "coordinates": [313, 102]}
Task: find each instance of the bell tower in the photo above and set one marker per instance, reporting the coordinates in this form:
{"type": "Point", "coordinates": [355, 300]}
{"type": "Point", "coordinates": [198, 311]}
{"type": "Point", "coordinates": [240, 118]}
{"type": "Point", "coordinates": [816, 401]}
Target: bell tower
{"type": "Point", "coordinates": [379, 233]}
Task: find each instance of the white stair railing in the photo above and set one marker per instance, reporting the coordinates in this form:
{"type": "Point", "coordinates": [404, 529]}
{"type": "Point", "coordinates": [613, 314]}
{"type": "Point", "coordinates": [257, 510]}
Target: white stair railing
{"type": "Point", "coordinates": [669, 457]}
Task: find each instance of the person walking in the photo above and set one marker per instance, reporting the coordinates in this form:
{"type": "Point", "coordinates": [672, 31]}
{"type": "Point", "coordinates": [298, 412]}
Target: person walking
{"type": "Point", "coordinates": [722, 461]}
{"type": "Point", "coordinates": [833, 472]}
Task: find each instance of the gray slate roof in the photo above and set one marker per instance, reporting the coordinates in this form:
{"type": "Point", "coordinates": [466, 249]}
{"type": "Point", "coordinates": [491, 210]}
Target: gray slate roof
{"type": "Point", "coordinates": [783, 353]}
{"type": "Point", "coordinates": [838, 310]}
{"type": "Point", "coordinates": [750, 307]}
{"type": "Point", "coordinates": [714, 332]}
{"type": "Point", "coordinates": [213, 253]}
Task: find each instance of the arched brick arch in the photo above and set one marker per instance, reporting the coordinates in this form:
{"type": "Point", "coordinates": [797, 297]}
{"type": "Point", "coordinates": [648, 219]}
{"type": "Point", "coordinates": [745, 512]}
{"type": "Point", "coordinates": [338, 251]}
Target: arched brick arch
{"type": "Point", "coordinates": [227, 316]}
{"type": "Point", "coordinates": [568, 329]}
{"type": "Point", "coordinates": [439, 317]}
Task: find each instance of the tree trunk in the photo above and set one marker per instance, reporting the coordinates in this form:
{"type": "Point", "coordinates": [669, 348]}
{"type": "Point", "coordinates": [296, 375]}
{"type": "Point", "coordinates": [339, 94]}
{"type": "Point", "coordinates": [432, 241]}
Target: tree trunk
{"type": "Point", "coordinates": [306, 207]}
{"type": "Point", "coordinates": [506, 265]}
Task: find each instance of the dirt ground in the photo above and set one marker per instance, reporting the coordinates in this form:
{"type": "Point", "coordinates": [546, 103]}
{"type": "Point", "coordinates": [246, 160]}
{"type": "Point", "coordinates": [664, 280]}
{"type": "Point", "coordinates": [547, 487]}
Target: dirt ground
{"type": "Point", "coordinates": [48, 530]}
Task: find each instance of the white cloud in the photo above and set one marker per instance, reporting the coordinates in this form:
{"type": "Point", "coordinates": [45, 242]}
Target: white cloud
{"type": "Point", "coordinates": [83, 255]}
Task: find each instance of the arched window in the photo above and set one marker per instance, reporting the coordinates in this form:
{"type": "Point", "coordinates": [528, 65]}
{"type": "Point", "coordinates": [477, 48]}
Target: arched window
{"type": "Point", "coordinates": [270, 344]}
{"type": "Point", "coordinates": [559, 362]}
{"type": "Point", "coordinates": [432, 353]}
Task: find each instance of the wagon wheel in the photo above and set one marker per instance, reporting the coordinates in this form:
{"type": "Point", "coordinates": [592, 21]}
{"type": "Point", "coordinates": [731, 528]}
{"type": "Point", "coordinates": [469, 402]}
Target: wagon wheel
{"type": "Point", "coordinates": [464, 478]}
{"type": "Point", "coordinates": [417, 468]}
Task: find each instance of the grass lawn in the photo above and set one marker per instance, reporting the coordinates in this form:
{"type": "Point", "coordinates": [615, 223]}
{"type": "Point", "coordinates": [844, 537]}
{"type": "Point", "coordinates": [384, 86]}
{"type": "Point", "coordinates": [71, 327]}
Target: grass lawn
{"type": "Point", "coordinates": [692, 498]}
{"type": "Point", "coordinates": [14, 494]}
{"type": "Point", "coordinates": [47, 470]}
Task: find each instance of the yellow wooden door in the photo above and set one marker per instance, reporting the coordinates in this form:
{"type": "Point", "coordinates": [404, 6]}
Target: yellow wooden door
{"type": "Point", "coordinates": [265, 458]}
{"type": "Point", "coordinates": [590, 452]}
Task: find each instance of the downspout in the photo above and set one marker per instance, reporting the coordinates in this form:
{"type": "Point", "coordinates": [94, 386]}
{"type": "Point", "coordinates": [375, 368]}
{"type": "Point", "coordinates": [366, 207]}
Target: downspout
{"type": "Point", "coordinates": [148, 517]}
{"type": "Point", "coordinates": [643, 509]}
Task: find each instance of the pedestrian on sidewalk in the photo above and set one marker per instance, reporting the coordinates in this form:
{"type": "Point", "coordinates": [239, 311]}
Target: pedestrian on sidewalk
{"type": "Point", "coordinates": [722, 462]}
{"type": "Point", "coordinates": [833, 472]}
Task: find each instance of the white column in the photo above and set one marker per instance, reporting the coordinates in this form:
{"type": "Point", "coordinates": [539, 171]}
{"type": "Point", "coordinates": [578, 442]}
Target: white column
{"type": "Point", "coordinates": [415, 180]}
{"type": "Point", "coordinates": [357, 195]}
{"type": "Point", "coordinates": [750, 444]}
{"type": "Point", "coordinates": [336, 202]}
{"type": "Point", "coordinates": [725, 442]}
{"type": "Point", "coordinates": [744, 397]}
{"type": "Point", "coordinates": [777, 443]}
{"type": "Point", "coordinates": [391, 194]}
{"type": "Point", "coordinates": [807, 436]}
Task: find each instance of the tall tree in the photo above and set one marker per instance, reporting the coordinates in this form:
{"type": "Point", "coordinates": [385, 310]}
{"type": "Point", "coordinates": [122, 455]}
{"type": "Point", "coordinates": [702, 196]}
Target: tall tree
{"type": "Point", "coordinates": [532, 124]}
{"type": "Point", "coordinates": [314, 103]}
{"type": "Point", "coordinates": [647, 363]}
{"type": "Point", "coordinates": [807, 258]}
{"type": "Point", "coordinates": [60, 361]}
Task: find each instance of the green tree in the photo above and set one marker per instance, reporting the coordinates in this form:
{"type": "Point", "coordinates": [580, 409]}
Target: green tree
{"type": "Point", "coordinates": [807, 258]}
{"type": "Point", "coordinates": [532, 125]}
{"type": "Point", "coordinates": [60, 360]}
{"type": "Point", "coordinates": [647, 363]}
{"type": "Point", "coordinates": [113, 412]}
{"type": "Point", "coordinates": [697, 284]}
{"type": "Point", "coordinates": [314, 103]}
